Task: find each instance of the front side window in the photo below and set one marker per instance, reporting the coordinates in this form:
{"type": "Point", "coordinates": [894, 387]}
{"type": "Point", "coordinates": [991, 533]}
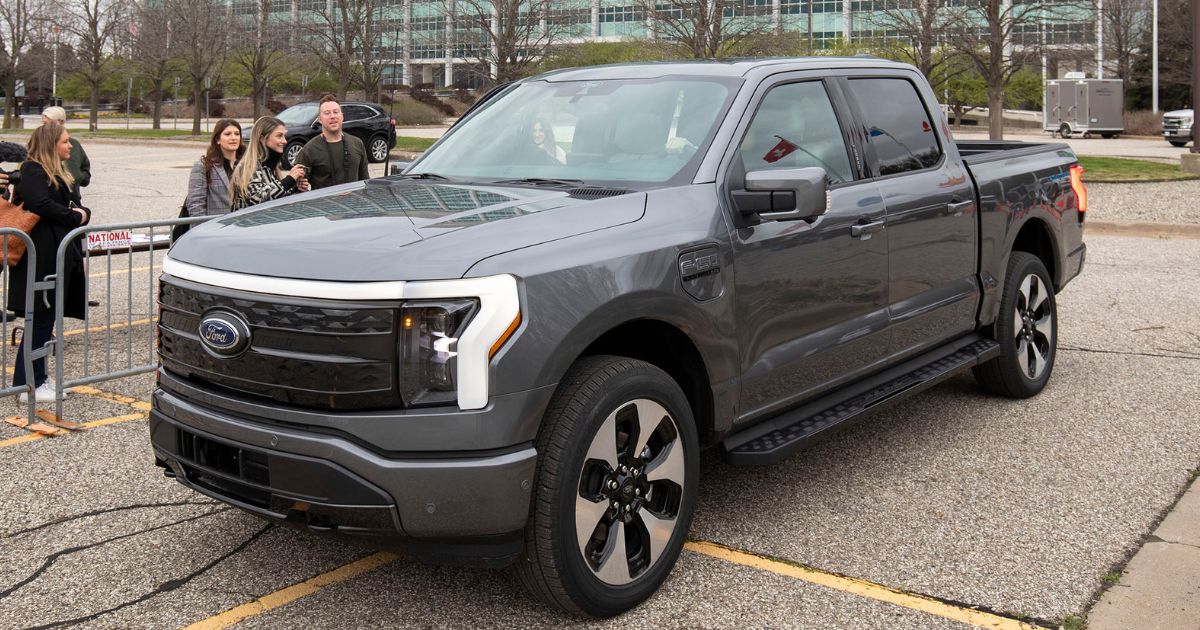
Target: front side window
{"type": "Point", "coordinates": [795, 127]}
{"type": "Point", "coordinates": [610, 130]}
{"type": "Point", "coordinates": [898, 126]}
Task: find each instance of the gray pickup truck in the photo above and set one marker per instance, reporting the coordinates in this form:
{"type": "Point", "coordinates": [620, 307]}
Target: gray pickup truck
{"type": "Point", "coordinates": [512, 353]}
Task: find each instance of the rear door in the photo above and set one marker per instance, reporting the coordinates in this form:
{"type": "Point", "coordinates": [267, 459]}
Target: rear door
{"type": "Point", "coordinates": [355, 120]}
{"type": "Point", "coordinates": [810, 297]}
{"type": "Point", "coordinates": [931, 211]}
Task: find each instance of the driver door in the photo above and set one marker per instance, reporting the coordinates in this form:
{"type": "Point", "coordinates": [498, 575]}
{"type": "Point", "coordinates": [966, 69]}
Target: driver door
{"type": "Point", "coordinates": [810, 294]}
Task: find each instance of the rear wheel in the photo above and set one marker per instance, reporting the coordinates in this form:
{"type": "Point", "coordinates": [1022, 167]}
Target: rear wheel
{"type": "Point", "coordinates": [377, 148]}
{"type": "Point", "coordinates": [616, 486]}
{"type": "Point", "coordinates": [1064, 130]}
{"type": "Point", "coordinates": [1026, 329]}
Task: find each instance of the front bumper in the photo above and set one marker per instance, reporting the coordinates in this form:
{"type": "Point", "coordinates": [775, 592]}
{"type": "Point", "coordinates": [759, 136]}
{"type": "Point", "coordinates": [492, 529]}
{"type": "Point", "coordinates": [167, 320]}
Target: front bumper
{"type": "Point", "coordinates": [1178, 133]}
{"type": "Point", "coordinates": [328, 483]}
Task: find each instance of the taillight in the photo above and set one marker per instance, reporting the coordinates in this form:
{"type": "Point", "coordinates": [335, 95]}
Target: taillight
{"type": "Point", "coordinates": [1077, 186]}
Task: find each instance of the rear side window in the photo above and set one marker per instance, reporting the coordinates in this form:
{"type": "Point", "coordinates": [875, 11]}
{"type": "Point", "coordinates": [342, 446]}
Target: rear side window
{"type": "Point", "coordinates": [356, 112]}
{"type": "Point", "coordinates": [897, 124]}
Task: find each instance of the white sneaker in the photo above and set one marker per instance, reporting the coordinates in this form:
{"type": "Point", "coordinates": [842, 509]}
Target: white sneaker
{"type": "Point", "coordinates": [45, 393]}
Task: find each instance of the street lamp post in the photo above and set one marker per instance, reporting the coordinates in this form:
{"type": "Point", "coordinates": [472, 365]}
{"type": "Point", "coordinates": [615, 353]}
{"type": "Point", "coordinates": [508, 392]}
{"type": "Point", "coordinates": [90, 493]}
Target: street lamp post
{"type": "Point", "coordinates": [1154, 58]}
{"type": "Point", "coordinates": [1195, 71]}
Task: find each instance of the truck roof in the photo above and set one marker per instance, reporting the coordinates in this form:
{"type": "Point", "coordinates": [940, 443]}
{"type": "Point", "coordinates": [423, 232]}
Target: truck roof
{"type": "Point", "coordinates": [713, 67]}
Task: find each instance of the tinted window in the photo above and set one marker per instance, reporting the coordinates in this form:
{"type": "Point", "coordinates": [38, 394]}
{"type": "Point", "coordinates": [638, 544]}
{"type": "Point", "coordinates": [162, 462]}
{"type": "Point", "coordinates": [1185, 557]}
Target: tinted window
{"type": "Point", "coordinates": [356, 112]}
{"type": "Point", "coordinates": [301, 114]}
{"type": "Point", "coordinates": [897, 124]}
{"type": "Point", "coordinates": [795, 127]}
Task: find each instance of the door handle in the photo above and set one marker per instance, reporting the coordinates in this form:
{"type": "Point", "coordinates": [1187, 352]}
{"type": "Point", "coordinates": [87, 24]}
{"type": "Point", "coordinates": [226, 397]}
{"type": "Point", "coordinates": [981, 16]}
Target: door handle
{"type": "Point", "coordinates": [956, 208]}
{"type": "Point", "coordinates": [864, 230]}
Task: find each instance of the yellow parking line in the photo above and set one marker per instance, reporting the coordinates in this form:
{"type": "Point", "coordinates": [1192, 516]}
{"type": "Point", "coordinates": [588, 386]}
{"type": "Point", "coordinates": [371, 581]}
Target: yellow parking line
{"type": "Point", "coordinates": [117, 326]}
{"type": "Point", "coordinates": [293, 592]}
{"type": "Point", "coordinates": [101, 274]}
{"type": "Point", "coordinates": [94, 423]}
{"type": "Point", "coordinates": [861, 588]}
{"type": "Point", "coordinates": [86, 390]}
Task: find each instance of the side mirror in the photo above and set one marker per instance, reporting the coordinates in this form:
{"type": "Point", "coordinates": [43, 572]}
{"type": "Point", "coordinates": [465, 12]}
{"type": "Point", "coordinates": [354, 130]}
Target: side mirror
{"type": "Point", "coordinates": [316, 124]}
{"type": "Point", "coordinates": [785, 194]}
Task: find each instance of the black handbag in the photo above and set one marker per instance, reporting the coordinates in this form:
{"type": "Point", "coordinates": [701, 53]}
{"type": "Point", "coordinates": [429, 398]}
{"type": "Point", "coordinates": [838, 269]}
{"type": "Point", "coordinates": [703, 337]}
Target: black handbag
{"type": "Point", "coordinates": [179, 229]}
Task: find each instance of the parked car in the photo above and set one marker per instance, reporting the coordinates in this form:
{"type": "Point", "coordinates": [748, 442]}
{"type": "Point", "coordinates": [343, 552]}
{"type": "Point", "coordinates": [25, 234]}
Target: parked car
{"type": "Point", "coordinates": [1177, 126]}
{"type": "Point", "coordinates": [368, 122]}
{"type": "Point", "coordinates": [513, 352]}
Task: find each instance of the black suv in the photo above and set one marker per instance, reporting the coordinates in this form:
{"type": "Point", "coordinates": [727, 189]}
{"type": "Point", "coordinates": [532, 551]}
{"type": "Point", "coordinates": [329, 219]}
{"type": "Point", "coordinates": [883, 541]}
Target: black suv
{"type": "Point", "coordinates": [368, 121]}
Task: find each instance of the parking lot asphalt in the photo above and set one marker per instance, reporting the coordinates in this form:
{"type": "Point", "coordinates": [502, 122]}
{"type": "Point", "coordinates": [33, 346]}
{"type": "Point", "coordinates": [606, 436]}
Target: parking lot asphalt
{"type": "Point", "coordinates": [1000, 512]}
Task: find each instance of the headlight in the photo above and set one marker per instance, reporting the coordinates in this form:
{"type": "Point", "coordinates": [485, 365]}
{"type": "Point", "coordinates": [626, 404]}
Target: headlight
{"type": "Point", "coordinates": [429, 333]}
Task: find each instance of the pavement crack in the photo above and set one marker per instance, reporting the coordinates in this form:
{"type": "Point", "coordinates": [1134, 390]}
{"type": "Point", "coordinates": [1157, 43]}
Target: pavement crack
{"type": "Point", "coordinates": [165, 587]}
{"type": "Point", "coordinates": [136, 506]}
{"type": "Point", "coordinates": [1181, 355]}
{"type": "Point", "coordinates": [54, 557]}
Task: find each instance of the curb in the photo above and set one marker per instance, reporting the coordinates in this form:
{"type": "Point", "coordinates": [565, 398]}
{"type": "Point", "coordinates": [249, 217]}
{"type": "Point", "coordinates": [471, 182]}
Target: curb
{"type": "Point", "coordinates": [1143, 230]}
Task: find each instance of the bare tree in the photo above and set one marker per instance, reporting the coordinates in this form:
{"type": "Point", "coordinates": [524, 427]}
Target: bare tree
{"type": "Point", "coordinates": [922, 24]}
{"type": "Point", "coordinates": [152, 54]}
{"type": "Point", "coordinates": [198, 36]}
{"type": "Point", "coordinates": [336, 32]}
{"type": "Point", "coordinates": [506, 39]}
{"type": "Point", "coordinates": [984, 31]}
{"type": "Point", "coordinates": [18, 18]}
{"type": "Point", "coordinates": [93, 23]}
{"type": "Point", "coordinates": [707, 29]}
{"type": "Point", "coordinates": [263, 52]}
{"type": "Point", "coordinates": [1124, 22]}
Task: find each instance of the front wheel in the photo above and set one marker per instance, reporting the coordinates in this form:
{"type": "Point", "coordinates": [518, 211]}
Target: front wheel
{"type": "Point", "coordinates": [1178, 143]}
{"type": "Point", "coordinates": [1064, 130]}
{"type": "Point", "coordinates": [291, 151]}
{"type": "Point", "coordinates": [378, 148]}
{"type": "Point", "coordinates": [1026, 329]}
{"type": "Point", "coordinates": [616, 486]}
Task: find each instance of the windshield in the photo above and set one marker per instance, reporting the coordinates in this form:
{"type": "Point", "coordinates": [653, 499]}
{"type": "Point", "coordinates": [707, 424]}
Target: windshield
{"type": "Point", "coordinates": [302, 114]}
{"type": "Point", "coordinates": [595, 131]}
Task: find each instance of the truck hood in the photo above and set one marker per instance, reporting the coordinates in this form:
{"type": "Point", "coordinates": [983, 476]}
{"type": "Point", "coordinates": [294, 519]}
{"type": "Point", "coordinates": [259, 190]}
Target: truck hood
{"type": "Point", "coordinates": [1179, 112]}
{"type": "Point", "coordinates": [395, 229]}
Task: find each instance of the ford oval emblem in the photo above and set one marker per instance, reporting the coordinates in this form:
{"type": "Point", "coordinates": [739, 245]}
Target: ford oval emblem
{"type": "Point", "coordinates": [224, 334]}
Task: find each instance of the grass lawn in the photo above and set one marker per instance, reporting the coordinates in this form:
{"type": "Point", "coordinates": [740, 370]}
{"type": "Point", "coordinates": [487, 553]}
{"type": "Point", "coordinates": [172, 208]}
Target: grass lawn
{"type": "Point", "coordinates": [173, 134]}
{"type": "Point", "coordinates": [1114, 170]}
{"type": "Point", "coordinates": [410, 143]}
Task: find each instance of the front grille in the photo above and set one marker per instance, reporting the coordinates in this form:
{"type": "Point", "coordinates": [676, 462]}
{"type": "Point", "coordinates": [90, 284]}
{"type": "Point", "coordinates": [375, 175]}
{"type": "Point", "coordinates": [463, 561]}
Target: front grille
{"type": "Point", "coordinates": [317, 354]}
{"type": "Point", "coordinates": [1175, 123]}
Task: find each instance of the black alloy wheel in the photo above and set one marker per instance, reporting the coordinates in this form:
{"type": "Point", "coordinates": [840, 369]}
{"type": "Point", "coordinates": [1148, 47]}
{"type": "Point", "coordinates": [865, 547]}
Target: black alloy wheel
{"type": "Point", "coordinates": [1026, 329]}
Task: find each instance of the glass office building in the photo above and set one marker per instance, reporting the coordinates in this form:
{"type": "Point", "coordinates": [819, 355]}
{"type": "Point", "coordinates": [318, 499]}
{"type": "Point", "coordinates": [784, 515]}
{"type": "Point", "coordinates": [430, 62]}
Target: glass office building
{"type": "Point", "coordinates": [421, 44]}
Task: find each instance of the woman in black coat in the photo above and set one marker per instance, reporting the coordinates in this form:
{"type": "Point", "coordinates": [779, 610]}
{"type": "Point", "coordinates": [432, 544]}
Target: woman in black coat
{"type": "Point", "coordinates": [47, 189]}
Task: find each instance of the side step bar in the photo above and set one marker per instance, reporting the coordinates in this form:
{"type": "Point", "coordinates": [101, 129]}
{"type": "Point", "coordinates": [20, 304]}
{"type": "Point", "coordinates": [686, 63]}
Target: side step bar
{"type": "Point", "coordinates": [775, 439]}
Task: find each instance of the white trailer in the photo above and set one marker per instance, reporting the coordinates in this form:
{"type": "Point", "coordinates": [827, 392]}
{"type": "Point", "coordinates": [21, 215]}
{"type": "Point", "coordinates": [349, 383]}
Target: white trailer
{"type": "Point", "coordinates": [1078, 105]}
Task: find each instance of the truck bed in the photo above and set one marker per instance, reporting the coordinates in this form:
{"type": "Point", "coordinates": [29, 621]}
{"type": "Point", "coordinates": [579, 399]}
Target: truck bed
{"type": "Point", "coordinates": [980, 151]}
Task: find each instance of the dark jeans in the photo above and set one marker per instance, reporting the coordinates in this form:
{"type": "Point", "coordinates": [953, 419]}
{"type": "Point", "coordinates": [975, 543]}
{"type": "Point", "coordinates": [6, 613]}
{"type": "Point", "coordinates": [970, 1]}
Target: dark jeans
{"type": "Point", "coordinates": [43, 329]}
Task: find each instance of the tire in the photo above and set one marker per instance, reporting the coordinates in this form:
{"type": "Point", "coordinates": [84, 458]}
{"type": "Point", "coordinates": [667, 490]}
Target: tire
{"type": "Point", "coordinates": [1064, 130]}
{"type": "Point", "coordinates": [290, 151]}
{"type": "Point", "coordinates": [377, 149]}
{"type": "Point", "coordinates": [587, 467]}
{"type": "Point", "coordinates": [1108, 136]}
{"type": "Point", "coordinates": [1026, 329]}
{"type": "Point", "coordinates": [1178, 143]}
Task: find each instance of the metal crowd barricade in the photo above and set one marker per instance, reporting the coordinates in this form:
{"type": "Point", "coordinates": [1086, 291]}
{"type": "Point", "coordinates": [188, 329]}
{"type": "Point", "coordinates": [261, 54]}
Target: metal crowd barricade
{"type": "Point", "coordinates": [136, 353]}
{"type": "Point", "coordinates": [6, 386]}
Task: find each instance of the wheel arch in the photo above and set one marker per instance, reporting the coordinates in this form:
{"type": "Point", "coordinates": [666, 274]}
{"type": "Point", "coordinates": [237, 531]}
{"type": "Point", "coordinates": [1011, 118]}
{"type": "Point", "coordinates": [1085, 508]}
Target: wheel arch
{"type": "Point", "coordinates": [1035, 237]}
{"type": "Point", "coordinates": [670, 349]}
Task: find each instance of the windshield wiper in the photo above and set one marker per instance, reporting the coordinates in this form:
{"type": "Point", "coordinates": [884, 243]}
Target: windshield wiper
{"type": "Point", "coordinates": [543, 181]}
{"type": "Point", "coordinates": [442, 178]}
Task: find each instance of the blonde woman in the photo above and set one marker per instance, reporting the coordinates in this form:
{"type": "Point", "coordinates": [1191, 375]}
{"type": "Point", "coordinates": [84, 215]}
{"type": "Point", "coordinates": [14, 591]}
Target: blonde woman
{"type": "Point", "coordinates": [47, 189]}
{"type": "Point", "coordinates": [258, 177]}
